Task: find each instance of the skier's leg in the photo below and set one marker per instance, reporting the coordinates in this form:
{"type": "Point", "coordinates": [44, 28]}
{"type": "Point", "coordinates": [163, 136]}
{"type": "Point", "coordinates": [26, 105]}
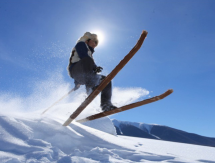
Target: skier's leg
{"type": "Point", "coordinates": [106, 95]}
{"type": "Point", "coordinates": [83, 73]}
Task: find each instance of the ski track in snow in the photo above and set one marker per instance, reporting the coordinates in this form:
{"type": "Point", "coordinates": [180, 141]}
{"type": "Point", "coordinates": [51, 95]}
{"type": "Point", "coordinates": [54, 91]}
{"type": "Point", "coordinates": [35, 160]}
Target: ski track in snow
{"type": "Point", "coordinates": [38, 139]}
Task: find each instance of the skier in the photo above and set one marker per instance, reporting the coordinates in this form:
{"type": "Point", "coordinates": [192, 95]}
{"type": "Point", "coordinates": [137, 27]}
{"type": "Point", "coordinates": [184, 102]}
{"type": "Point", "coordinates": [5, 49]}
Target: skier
{"type": "Point", "coordinates": [84, 71]}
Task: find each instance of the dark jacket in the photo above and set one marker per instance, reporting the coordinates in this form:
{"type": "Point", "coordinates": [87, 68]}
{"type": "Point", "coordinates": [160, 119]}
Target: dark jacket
{"type": "Point", "coordinates": [82, 50]}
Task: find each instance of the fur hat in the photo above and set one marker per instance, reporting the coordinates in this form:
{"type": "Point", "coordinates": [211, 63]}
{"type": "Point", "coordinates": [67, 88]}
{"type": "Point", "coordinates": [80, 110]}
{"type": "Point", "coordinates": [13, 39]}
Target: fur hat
{"type": "Point", "coordinates": [88, 36]}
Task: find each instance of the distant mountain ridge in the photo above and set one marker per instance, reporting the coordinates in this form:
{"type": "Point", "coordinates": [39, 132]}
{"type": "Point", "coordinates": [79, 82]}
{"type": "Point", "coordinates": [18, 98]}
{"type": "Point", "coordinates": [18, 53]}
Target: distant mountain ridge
{"type": "Point", "coordinates": [159, 132]}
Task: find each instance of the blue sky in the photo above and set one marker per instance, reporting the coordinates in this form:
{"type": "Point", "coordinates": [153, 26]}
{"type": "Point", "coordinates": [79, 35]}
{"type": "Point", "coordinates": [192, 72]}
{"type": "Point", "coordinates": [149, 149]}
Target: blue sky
{"type": "Point", "coordinates": [36, 38]}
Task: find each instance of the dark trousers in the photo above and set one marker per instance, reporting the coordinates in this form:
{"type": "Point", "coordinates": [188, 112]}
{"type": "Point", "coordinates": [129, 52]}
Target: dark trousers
{"type": "Point", "coordinates": [82, 72]}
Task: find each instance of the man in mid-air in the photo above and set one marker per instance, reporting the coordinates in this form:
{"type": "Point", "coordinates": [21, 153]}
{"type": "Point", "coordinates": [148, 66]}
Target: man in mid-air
{"type": "Point", "coordinates": [84, 71]}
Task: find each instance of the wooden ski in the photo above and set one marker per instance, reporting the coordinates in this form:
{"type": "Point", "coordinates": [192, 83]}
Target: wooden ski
{"type": "Point", "coordinates": [126, 107]}
{"type": "Point", "coordinates": [105, 82]}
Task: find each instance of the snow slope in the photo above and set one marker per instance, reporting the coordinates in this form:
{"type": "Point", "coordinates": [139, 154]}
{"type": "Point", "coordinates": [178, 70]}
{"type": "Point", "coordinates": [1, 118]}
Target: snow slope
{"type": "Point", "coordinates": [154, 131]}
{"type": "Point", "coordinates": [32, 138]}
{"type": "Point", "coordinates": [143, 126]}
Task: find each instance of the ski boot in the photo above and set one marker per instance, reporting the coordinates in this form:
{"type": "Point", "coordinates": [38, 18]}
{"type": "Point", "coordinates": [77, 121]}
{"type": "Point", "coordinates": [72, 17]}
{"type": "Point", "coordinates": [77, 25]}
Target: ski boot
{"type": "Point", "coordinates": [107, 107]}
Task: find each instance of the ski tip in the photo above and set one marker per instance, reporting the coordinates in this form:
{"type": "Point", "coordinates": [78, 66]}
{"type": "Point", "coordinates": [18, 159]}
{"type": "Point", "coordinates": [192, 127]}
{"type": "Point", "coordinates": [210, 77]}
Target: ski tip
{"type": "Point", "coordinates": [144, 32]}
{"type": "Point", "coordinates": [68, 121]}
{"type": "Point", "coordinates": [82, 120]}
{"type": "Point", "coordinates": [171, 90]}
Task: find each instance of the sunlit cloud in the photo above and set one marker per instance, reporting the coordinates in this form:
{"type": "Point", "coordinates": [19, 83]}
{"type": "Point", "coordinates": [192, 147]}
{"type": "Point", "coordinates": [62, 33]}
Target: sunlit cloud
{"type": "Point", "coordinates": [46, 92]}
{"type": "Point", "coordinates": [124, 96]}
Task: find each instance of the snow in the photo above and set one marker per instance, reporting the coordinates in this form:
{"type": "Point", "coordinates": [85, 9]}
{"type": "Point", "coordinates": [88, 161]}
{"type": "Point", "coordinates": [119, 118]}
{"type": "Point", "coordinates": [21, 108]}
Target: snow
{"type": "Point", "coordinates": [32, 138]}
{"type": "Point", "coordinates": [102, 124]}
{"type": "Point", "coordinates": [26, 136]}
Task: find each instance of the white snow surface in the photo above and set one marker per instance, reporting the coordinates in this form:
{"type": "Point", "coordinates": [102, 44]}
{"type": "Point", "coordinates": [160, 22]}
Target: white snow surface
{"type": "Point", "coordinates": [31, 138]}
{"type": "Point", "coordinates": [28, 137]}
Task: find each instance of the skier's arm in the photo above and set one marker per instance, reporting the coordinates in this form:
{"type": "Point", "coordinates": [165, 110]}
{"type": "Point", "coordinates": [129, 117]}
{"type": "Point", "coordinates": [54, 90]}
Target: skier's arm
{"type": "Point", "coordinates": [82, 50]}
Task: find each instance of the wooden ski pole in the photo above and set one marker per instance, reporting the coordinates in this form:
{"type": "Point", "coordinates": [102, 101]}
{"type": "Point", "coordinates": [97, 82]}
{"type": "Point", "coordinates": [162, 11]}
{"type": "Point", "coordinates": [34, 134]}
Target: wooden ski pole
{"type": "Point", "coordinates": [74, 89]}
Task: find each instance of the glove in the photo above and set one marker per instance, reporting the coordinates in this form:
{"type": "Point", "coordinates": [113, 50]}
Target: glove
{"type": "Point", "coordinates": [98, 69]}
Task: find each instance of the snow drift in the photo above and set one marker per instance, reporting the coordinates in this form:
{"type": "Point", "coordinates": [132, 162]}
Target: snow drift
{"type": "Point", "coordinates": [34, 139]}
{"type": "Point", "coordinates": [26, 136]}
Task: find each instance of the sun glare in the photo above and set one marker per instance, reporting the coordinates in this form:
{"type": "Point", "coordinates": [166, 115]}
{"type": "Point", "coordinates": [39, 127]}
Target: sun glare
{"type": "Point", "coordinates": [100, 36]}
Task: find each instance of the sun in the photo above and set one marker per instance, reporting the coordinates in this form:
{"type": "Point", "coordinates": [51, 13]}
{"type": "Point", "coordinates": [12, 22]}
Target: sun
{"type": "Point", "coordinates": [100, 36]}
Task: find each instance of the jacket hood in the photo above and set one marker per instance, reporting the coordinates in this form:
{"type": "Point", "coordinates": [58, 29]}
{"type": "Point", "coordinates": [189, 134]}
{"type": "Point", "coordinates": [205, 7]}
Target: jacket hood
{"type": "Point", "coordinates": [88, 36]}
